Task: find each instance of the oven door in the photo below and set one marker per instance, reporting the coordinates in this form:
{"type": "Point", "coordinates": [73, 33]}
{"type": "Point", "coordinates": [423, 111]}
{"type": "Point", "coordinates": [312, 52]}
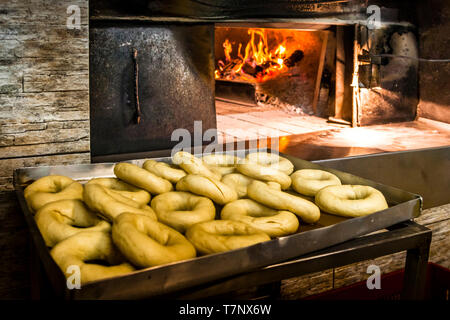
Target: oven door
{"type": "Point", "coordinates": [146, 80]}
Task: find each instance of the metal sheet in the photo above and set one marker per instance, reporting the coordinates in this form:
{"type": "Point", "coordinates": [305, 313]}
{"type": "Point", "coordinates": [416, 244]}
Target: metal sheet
{"type": "Point", "coordinates": [175, 84]}
{"type": "Point", "coordinates": [155, 281]}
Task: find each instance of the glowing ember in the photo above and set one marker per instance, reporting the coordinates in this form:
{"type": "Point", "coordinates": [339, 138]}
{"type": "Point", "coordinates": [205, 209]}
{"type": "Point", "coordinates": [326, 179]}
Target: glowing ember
{"type": "Point", "coordinates": [364, 137]}
{"type": "Point", "coordinates": [258, 62]}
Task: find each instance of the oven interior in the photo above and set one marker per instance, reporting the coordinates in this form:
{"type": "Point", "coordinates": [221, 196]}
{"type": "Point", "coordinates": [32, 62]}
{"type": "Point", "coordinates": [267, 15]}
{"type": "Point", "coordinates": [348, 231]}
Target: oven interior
{"type": "Point", "coordinates": [155, 79]}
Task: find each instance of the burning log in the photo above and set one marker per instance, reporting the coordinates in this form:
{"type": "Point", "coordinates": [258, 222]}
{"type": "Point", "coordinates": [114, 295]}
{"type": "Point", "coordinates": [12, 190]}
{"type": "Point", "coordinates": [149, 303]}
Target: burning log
{"type": "Point", "coordinates": [250, 71]}
{"type": "Point", "coordinates": [230, 65]}
{"type": "Point", "coordinates": [229, 69]}
{"type": "Point", "coordinates": [295, 57]}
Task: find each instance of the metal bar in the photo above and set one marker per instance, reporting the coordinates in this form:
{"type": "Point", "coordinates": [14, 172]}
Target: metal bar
{"type": "Point", "coordinates": [408, 236]}
{"type": "Point", "coordinates": [136, 86]}
{"type": "Point", "coordinates": [355, 80]}
{"type": "Point", "coordinates": [414, 279]}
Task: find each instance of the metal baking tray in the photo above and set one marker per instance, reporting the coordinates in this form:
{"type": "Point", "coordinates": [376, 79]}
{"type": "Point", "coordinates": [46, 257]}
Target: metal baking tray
{"type": "Point", "coordinates": [169, 278]}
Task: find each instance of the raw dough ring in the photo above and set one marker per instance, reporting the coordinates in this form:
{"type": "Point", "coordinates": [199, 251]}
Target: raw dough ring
{"type": "Point", "coordinates": [272, 222]}
{"type": "Point", "coordinates": [142, 178]}
{"type": "Point", "coordinates": [309, 181]}
{"type": "Point", "coordinates": [271, 160]}
{"type": "Point", "coordinates": [351, 200]}
{"type": "Point", "coordinates": [240, 182]}
{"type": "Point", "coordinates": [180, 210]}
{"type": "Point", "coordinates": [280, 200]}
{"type": "Point", "coordinates": [83, 247]}
{"type": "Point", "coordinates": [148, 243]}
{"type": "Point", "coordinates": [221, 163]}
{"type": "Point", "coordinates": [110, 204]}
{"type": "Point", "coordinates": [193, 165]}
{"type": "Point", "coordinates": [124, 189]}
{"type": "Point", "coordinates": [164, 170]}
{"type": "Point", "coordinates": [51, 188]}
{"type": "Point", "coordinates": [215, 190]}
{"type": "Point", "coordinates": [223, 235]}
{"type": "Point", "coordinates": [264, 173]}
{"type": "Point", "coordinates": [61, 219]}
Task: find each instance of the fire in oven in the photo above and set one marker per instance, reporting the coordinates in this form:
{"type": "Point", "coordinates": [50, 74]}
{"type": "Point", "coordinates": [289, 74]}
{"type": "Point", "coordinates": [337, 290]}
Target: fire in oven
{"type": "Point", "coordinates": [198, 84]}
{"type": "Point", "coordinates": [269, 80]}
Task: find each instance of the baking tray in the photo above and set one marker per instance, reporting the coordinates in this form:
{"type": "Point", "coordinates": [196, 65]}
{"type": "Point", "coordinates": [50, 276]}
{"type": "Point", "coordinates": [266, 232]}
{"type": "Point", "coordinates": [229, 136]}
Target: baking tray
{"type": "Point", "coordinates": [169, 278]}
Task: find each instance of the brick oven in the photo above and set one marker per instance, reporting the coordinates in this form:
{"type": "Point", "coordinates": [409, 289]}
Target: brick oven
{"type": "Point", "coordinates": [151, 74]}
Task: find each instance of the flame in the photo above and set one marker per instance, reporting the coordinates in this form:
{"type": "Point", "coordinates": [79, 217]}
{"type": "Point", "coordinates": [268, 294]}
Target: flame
{"type": "Point", "coordinates": [228, 49]}
{"type": "Point", "coordinates": [256, 54]}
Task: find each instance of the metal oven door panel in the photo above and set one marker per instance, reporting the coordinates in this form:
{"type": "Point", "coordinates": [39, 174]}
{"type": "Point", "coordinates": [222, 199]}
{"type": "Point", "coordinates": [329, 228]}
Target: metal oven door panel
{"type": "Point", "coordinates": [175, 84]}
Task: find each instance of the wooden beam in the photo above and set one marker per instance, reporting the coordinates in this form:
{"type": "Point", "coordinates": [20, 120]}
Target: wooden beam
{"type": "Point", "coordinates": [355, 80]}
{"type": "Point", "coordinates": [320, 70]}
{"type": "Point", "coordinates": [340, 72]}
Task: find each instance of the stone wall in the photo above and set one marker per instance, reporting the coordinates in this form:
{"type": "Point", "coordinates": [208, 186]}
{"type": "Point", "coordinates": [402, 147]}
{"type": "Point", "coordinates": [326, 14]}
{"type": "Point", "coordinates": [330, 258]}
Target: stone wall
{"type": "Point", "coordinates": [44, 85]}
{"type": "Point", "coordinates": [434, 28]}
{"type": "Point", "coordinates": [392, 96]}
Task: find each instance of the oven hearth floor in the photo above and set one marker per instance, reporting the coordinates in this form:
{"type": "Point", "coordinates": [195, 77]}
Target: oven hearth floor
{"type": "Point", "coordinates": [344, 142]}
{"type": "Point", "coordinates": [311, 137]}
{"type": "Point", "coordinates": [236, 122]}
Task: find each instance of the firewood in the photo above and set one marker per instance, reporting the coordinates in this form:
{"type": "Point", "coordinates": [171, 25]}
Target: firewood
{"type": "Point", "coordinates": [250, 70]}
{"type": "Point", "coordinates": [295, 57]}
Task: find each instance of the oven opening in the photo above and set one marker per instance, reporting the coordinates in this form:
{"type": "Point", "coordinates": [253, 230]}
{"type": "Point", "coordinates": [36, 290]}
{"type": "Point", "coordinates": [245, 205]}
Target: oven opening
{"type": "Point", "coordinates": [273, 82]}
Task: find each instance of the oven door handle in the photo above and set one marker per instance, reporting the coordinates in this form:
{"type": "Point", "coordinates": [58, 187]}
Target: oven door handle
{"type": "Point", "coordinates": [136, 86]}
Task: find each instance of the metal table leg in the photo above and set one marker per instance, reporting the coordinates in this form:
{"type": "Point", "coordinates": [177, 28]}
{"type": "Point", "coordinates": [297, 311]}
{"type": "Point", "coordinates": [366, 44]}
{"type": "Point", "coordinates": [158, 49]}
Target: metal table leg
{"type": "Point", "coordinates": [408, 236]}
{"type": "Point", "coordinates": [414, 279]}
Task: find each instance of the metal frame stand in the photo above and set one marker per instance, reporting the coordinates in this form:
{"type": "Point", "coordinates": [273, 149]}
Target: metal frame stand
{"type": "Point", "coordinates": [409, 236]}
